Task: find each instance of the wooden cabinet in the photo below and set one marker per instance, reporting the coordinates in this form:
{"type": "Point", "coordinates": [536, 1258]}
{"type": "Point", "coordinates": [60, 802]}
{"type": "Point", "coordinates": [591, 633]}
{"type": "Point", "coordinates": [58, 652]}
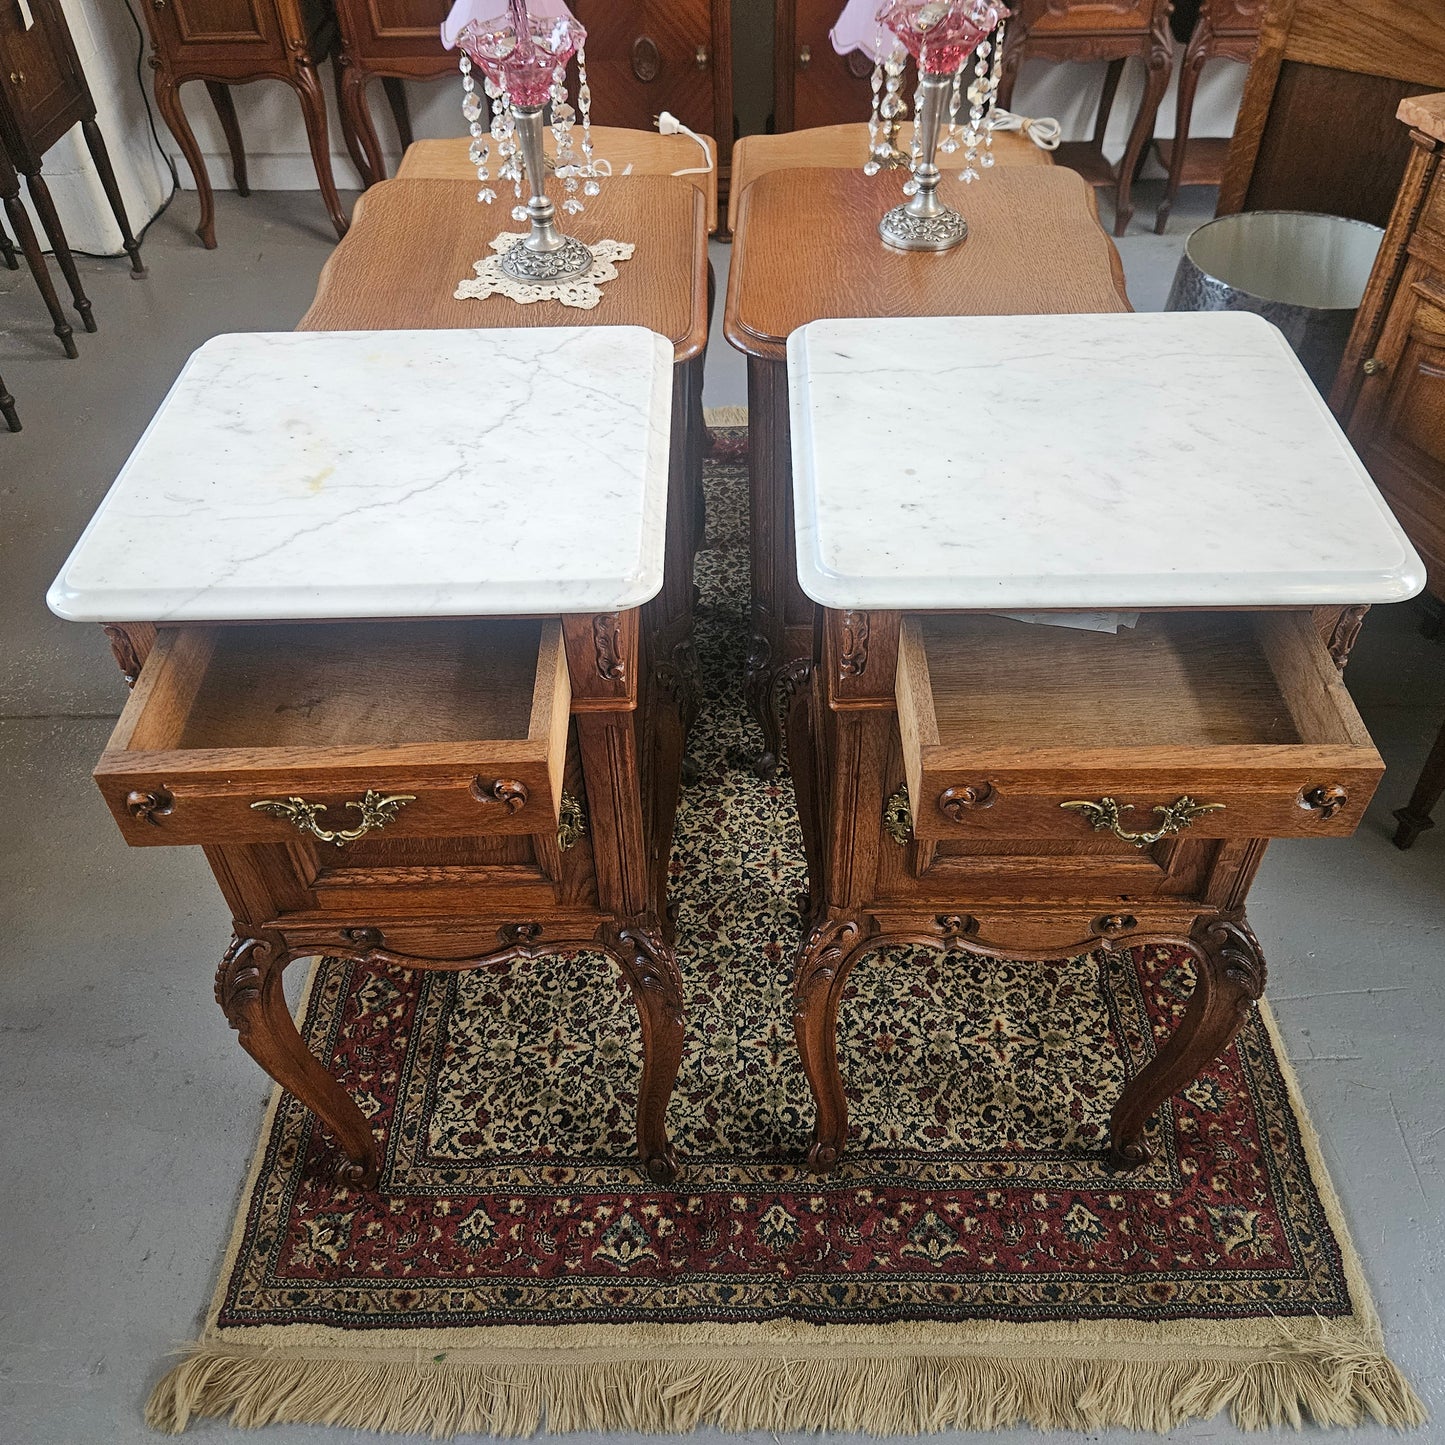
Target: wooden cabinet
{"type": "Point", "coordinates": [235, 42]}
{"type": "Point", "coordinates": [643, 57]}
{"type": "Point", "coordinates": [43, 93]}
{"type": "Point", "coordinates": [812, 84]}
{"type": "Point", "coordinates": [1390, 391]}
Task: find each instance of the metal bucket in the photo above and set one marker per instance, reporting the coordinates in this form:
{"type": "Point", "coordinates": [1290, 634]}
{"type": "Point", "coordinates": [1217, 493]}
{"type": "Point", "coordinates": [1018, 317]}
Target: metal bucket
{"type": "Point", "coordinates": [1304, 272]}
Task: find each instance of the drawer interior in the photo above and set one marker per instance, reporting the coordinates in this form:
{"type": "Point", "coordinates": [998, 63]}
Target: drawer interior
{"type": "Point", "coordinates": [1195, 679]}
{"type": "Point", "coordinates": [345, 684]}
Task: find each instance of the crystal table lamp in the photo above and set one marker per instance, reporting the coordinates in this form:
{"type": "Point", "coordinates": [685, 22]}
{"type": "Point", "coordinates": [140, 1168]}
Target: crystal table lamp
{"type": "Point", "coordinates": [944, 37]}
{"type": "Point", "coordinates": [522, 48]}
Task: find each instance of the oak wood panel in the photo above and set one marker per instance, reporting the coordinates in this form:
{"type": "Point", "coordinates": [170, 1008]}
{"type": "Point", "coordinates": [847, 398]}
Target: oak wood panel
{"type": "Point", "coordinates": [843, 147]}
{"type": "Point", "coordinates": [470, 718]}
{"type": "Point", "coordinates": [1002, 721]}
{"type": "Point", "coordinates": [1426, 113]}
{"type": "Point", "coordinates": [1034, 245]}
{"type": "Point", "coordinates": [420, 238]}
{"type": "Point", "coordinates": [645, 151]}
{"type": "Point", "coordinates": [1400, 39]}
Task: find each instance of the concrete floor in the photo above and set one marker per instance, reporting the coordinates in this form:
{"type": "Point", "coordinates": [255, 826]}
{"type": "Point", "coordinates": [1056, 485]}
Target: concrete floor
{"type": "Point", "coordinates": [131, 1114]}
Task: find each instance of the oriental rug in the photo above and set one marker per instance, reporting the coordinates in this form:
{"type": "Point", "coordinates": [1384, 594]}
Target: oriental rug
{"type": "Point", "coordinates": [973, 1262]}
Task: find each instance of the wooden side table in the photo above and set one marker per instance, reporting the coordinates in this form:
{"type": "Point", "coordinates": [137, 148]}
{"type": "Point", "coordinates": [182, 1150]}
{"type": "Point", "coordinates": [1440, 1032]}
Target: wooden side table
{"type": "Point", "coordinates": [411, 243]}
{"type": "Point", "coordinates": [1112, 30]}
{"type": "Point", "coordinates": [974, 776]}
{"type": "Point", "coordinates": [1034, 245]}
{"type": "Point", "coordinates": [43, 94]}
{"type": "Point", "coordinates": [1390, 391]}
{"type": "Point", "coordinates": [213, 41]}
{"type": "Point", "coordinates": [505, 817]}
{"type": "Point", "coordinates": [1224, 30]}
{"type": "Point", "coordinates": [34, 256]}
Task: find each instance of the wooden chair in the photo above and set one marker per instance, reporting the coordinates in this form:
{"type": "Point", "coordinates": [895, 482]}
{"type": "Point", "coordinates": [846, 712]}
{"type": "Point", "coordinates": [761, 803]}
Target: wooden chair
{"type": "Point", "coordinates": [1224, 30]}
{"type": "Point", "coordinates": [644, 151]}
{"type": "Point", "coordinates": [1112, 30]}
{"type": "Point", "coordinates": [842, 147]}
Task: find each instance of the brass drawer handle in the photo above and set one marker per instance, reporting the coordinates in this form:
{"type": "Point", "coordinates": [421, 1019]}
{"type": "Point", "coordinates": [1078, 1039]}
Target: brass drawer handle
{"type": "Point", "coordinates": [17, 77]}
{"type": "Point", "coordinates": [1372, 366]}
{"type": "Point", "coordinates": [1326, 800]}
{"type": "Point", "coordinates": [701, 57]}
{"type": "Point", "coordinates": [805, 57]}
{"type": "Point", "coordinates": [511, 794]}
{"type": "Point", "coordinates": [571, 823]}
{"type": "Point", "coordinates": [376, 809]}
{"type": "Point", "coordinates": [1104, 817]}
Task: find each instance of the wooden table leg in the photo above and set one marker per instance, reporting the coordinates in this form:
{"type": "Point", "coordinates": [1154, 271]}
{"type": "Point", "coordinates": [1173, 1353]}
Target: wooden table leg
{"type": "Point", "coordinates": [1195, 56]}
{"type": "Point", "coordinates": [35, 259]}
{"type": "Point", "coordinates": [231, 127]}
{"type": "Point", "coordinates": [7, 408]}
{"type": "Point", "coordinates": [95, 144]}
{"type": "Point", "coordinates": [7, 251]}
{"type": "Point", "coordinates": [313, 111]}
{"type": "Point", "coordinates": [1159, 62]}
{"type": "Point", "coordinates": [1415, 815]}
{"type": "Point", "coordinates": [50, 222]}
{"type": "Point", "coordinates": [356, 121]}
{"type": "Point", "coordinates": [395, 89]}
{"type": "Point", "coordinates": [1229, 980]}
{"type": "Point", "coordinates": [168, 102]}
{"type": "Point", "coordinates": [248, 989]}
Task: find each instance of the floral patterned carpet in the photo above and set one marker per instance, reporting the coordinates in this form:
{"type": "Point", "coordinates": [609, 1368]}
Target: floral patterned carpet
{"type": "Point", "coordinates": [975, 1188]}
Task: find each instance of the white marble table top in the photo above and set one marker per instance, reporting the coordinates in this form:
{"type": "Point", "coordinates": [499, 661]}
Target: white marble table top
{"type": "Point", "coordinates": [1042, 462]}
{"type": "Point", "coordinates": [303, 475]}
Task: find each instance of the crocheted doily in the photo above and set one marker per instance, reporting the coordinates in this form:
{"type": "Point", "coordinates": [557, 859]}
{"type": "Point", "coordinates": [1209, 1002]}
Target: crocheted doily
{"type": "Point", "coordinates": [583, 293]}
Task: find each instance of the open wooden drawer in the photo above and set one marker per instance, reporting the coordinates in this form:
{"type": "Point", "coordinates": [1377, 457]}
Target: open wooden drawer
{"type": "Point", "coordinates": [263, 734]}
{"type": "Point", "coordinates": [1216, 725]}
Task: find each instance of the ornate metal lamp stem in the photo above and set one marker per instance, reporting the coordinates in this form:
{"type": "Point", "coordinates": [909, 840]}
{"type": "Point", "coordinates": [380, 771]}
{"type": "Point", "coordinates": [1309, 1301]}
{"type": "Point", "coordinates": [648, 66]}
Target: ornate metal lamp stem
{"type": "Point", "coordinates": [925, 223]}
{"type": "Point", "coordinates": [545, 254]}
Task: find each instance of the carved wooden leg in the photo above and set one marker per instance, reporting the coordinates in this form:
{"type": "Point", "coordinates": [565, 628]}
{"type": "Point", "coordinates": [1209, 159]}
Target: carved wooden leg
{"type": "Point", "coordinates": [801, 708]}
{"type": "Point", "coordinates": [1193, 64]}
{"type": "Point", "coordinates": [313, 111]}
{"type": "Point", "coordinates": [50, 223]}
{"type": "Point", "coordinates": [168, 102]}
{"type": "Point", "coordinates": [248, 989]}
{"type": "Point", "coordinates": [1159, 63]}
{"type": "Point", "coordinates": [348, 129]}
{"type": "Point", "coordinates": [7, 251]}
{"type": "Point", "coordinates": [1230, 979]}
{"type": "Point", "coordinates": [824, 961]}
{"type": "Point", "coordinates": [226, 111]}
{"type": "Point", "coordinates": [356, 121]}
{"type": "Point", "coordinates": [35, 259]}
{"type": "Point", "coordinates": [395, 90]}
{"type": "Point", "coordinates": [7, 408]}
{"type": "Point", "coordinates": [759, 691]}
{"type": "Point", "coordinates": [650, 966]}
{"type": "Point", "coordinates": [1415, 815]}
{"type": "Point", "coordinates": [95, 144]}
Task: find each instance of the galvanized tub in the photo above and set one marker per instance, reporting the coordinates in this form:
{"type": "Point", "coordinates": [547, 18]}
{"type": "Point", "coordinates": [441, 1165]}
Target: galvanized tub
{"type": "Point", "coordinates": [1306, 273]}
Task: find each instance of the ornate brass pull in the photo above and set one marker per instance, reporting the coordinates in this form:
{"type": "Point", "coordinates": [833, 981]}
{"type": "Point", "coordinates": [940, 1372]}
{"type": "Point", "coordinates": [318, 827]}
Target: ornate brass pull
{"type": "Point", "coordinates": [701, 57]}
{"type": "Point", "coordinates": [805, 57]}
{"type": "Point", "coordinates": [17, 77]}
{"type": "Point", "coordinates": [376, 809]}
{"type": "Point", "coordinates": [1372, 366]}
{"type": "Point", "coordinates": [898, 816]}
{"type": "Point", "coordinates": [571, 823]}
{"type": "Point", "coordinates": [1105, 817]}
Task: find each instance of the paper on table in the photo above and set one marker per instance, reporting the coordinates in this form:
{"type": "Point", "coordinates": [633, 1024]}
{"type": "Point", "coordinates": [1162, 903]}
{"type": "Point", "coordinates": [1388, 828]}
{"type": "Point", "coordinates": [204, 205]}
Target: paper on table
{"type": "Point", "coordinates": [1084, 621]}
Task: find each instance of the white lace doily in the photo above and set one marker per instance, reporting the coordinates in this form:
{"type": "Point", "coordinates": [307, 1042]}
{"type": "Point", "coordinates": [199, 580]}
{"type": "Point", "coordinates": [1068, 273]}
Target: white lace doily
{"type": "Point", "coordinates": [583, 293]}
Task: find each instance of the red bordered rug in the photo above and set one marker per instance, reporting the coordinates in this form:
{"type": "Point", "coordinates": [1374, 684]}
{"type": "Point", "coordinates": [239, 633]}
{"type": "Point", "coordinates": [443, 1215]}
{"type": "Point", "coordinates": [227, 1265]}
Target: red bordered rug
{"type": "Point", "coordinates": [973, 1262]}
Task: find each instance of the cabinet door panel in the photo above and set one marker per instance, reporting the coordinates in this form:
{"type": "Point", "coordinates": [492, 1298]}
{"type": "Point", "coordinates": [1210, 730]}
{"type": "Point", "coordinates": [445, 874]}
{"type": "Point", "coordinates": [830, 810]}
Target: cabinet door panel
{"type": "Point", "coordinates": [382, 30]}
{"type": "Point", "coordinates": [40, 78]}
{"type": "Point", "coordinates": [194, 32]}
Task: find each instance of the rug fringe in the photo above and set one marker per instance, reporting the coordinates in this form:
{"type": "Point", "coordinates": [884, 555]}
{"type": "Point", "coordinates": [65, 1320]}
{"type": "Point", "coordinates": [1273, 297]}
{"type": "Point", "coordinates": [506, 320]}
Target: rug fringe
{"type": "Point", "coordinates": [1329, 1384]}
{"type": "Point", "coordinates": [725, 416]}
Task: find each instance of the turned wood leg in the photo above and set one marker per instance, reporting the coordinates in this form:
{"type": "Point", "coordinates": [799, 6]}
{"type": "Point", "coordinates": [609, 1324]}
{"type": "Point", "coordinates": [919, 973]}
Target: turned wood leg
{"type": "Point", "coordinates": [35, 259]}
{"type": "Point", "coordinates": [226, 112]}
{"type": "Point", "coordinates": [1156, 81]}
{"type": "Point", "coordinates": [395, 90]}
{"type": "Point", "coordinates": [351, 102]}
{"type": "Point", "coordinates": [348, 127]}
{"type": "Point", "coordinates": [313, 111]}
{"type": "Point", "coordinates": [168, 102]}
{"type": "Point", "coordinates": [7, 408]}
{"type": "Point", "coordinates": [50, 222]}
{"type": "Point", "coordinates": [95, 144]}
{"type": "Point", "coordinates": [649, 965]}
{"type": "Point", "coordinates": [824, 960]}
{"type": "Point", "coordinates": [1415, 815]}
{"type": "Point", "coordinates": [1230, 976]}
{"type": "Point", "coordinates": [759, 693]}
{"type": "Point", "coordinates": [248, 989]}
{"type": "Point", "coordinates": [7, 251]}
{"type": "Point", "coordinates": [1189, 73]}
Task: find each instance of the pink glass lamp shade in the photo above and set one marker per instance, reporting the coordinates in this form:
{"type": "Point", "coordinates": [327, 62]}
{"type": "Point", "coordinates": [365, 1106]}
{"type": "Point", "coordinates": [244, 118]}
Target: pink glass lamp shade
{"type": "Point", "coordinates": [518, 44]}
{"type": "Point", "coordinates": [939, 34]}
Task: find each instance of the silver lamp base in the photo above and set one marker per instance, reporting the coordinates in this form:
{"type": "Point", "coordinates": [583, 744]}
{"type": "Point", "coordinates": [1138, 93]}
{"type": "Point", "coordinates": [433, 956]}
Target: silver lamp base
{"type": "Point", "coordinates": [905, 230]}
{"type": "Point", "coordinates": [569, 262]}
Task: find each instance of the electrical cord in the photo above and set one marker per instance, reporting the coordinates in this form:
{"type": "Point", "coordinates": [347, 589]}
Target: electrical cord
{"type": "Point", "coordinates": [668, 124]}
{"type": "Point", "coordinates": [155, 137]}
{"type": "Point", "coordinates": [1044, 131]}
